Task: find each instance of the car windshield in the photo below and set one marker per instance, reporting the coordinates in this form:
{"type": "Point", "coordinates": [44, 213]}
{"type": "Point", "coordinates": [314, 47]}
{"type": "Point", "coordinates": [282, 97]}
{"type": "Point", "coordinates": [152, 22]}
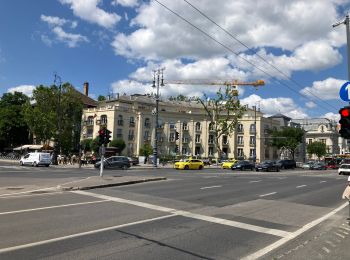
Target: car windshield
{"type": "Point", "coordinates": [345, 166]}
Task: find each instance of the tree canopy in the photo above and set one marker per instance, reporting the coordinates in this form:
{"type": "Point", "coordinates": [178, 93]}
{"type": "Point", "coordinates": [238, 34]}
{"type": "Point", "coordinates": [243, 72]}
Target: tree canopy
{"type": "Point", "coordinates": [287, 138]}
{"type": "Point", "coordinates": [223, 111]}
{"type": "Point", "coordinates": [118, 143]}
{"type": "Point", "coordinates": [317, 148]}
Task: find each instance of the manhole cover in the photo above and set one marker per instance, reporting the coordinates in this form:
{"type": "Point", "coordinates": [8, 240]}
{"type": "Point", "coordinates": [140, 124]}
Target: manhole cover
{"type": "Point", "coordinates": [15, 188]}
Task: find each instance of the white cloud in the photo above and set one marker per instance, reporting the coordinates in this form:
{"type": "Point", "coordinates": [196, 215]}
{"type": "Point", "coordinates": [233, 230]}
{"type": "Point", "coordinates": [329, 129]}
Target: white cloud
{"type": "Point", "coordinates": [25, 89]}
{"type": "Point", "coordinates": [88, 10]}
{"type": "Point", "coordinates": [310, 104]}
{"type": "Point", "coordinates": [53, 20]}
{"type": "Point", "coordinates": [332, 116]}
{"type": "Point", "coordinates": [271, 106]}
{"type": "Point", "coordinates": [72, 40]}
{"type": "Point", "coordinates": [126, 3]}
{"type": "Point", "coordinates": [325, 90]}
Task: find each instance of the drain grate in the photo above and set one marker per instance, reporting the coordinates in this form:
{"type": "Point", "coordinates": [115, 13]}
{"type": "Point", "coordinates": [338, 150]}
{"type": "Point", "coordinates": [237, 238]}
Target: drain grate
{"type": "Point", "coordinates": [14, 188]}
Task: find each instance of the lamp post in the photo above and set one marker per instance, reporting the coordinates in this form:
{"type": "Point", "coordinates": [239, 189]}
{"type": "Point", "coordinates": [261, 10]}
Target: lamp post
{"type": "Point", "coordinates": [57, 144]}
{"type": "Point", "coordinates": [157, 76]}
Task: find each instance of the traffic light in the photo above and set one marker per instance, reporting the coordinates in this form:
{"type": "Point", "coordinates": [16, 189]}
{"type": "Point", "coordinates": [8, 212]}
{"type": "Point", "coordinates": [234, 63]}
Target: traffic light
{"type": "Point", "coordinates": [107, 136]}
{"type": "Point", "coordinates": [101, 136]}
{"type": "Point", "coordinates": [344, 122]}
{"type": "Point", "coordinates": [177, 135]}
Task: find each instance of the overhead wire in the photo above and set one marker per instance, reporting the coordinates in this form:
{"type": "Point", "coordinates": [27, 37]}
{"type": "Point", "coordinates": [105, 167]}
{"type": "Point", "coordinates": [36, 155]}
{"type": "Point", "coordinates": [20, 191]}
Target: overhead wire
{"type": "Point", "coordinates": [238, 54]}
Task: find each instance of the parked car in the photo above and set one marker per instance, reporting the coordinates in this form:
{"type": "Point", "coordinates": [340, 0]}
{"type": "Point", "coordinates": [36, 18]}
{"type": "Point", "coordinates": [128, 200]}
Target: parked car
{"type": "Point", "coordinates": [190, 164]}
{"type": "Point", "coordinates": [228, 164]}
{"type": "Point", "coordinates": [268, 166]}
{"type": "Point", "coordinates": [243, 165]}
{"type": "Point", "coordinates": [344, 169]}
{"type": "Point", "coordinates": [307, 165]}
{"type": "Point", "coordinates": [115, 162]}
{"type": "Point", "coordinates": [318, 166]}
{"type": "Point", "coordinates": [332, 166]}
{"type": "Point", "coordinates": [133, 160]}
{"type": "Point", "coordinates": [36, 159]}
{"type": "Point", "coordinates": [287, 164]}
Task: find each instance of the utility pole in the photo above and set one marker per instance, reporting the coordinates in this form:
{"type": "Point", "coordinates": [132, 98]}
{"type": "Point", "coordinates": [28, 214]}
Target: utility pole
{"type": "Point", "coordinates": [57, 144]}
{"type": "Point", "coordinates": [254, 158]}
{"type": "Point", "coordinates": [158, 80]}
{"type": "Point", "coordinates": [346, 22]}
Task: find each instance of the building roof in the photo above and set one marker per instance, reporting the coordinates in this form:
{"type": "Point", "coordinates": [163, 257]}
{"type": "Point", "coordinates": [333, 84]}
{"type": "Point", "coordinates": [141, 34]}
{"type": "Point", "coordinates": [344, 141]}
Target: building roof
{"type": "Point", "coordinates": [87, 101]}
{"type": "Point", "coordinates": [279, 115]}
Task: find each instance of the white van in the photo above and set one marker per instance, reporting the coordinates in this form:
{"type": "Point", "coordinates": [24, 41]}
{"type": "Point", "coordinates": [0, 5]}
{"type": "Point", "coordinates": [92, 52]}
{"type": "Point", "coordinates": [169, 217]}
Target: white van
{"type": "Point", "coordinates": [36, 159]}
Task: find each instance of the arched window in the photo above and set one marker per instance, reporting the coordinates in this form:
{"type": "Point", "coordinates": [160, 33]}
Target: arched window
{"type": "Point", "coordinates": [211, 126]}
{"type": "Point", "coordinates": [103, 120]}
{"type": "Point", "coordinates": [198, 126]}
{"type": "Point", "coordinates": [240, 128]}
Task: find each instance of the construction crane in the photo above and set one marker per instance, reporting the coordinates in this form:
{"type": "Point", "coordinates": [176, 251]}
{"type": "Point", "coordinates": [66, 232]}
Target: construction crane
{"type": "Point", "coordinates": [233, 83]}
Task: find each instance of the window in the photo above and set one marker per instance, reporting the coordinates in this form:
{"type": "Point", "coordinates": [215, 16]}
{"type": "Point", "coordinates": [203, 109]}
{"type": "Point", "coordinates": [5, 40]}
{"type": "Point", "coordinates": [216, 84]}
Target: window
{"type": "Point", "coordinates": [132, 121]}
{"type": "Point", "coordinates": [184, 150]}
{"type": "Point", "coordinates": [240, 128]}
{"type": "Point", "coordinates": [89, 132]}
{"type": "Point", "coordinates": [240, 140]}
{"type": "Point", "coordinates": [211, 126]}
{"type": "Point", "coordinates": [323, 141]}
{"type": "Point", "coordinates": [240, 152]}
{"type": "Point", "coordinates": [130, 148]}
{"type": "Point", "coordinates": [172, 126]}
{"type": "Point", "coordinates": [90, 120]}
{"type": "Point", "coordinates": [252, 140]}
{"type": "Point", "coordinates": [146, 136]}
{"type": "Point", "coordinates": [172, 137]}
{"type": "Point", "coordinates": [224, 139]}
{"type": "Point", "coordinates": [119, 133]}
{"type": "Point", "coordinates": [147, 122]}
{"type": "Point", "coordinates": [120, 120]}
{"type": "Point", "coordinates": [184, 126]}
{"type": "Point", "coordinates": [252, 153]}
{"type": "Point", "coordinates": [211, 151]}
{"type": "Point", "coordinates": [197, 150]}
{"type": "Point", "coordinates": [252, 128]}
{"type": "Point", "coordinates": [211, 139]}
{"type": "Point", "coordinates": [310, 141]}
{"type": "Point", "coordinates": [131, 135]}
{"type": "Point", "coordinates": [198, 138]}
{"type": "Point", "coordinates": [103, 120]}
{"type": "Point", "coordinates": [198, 126]}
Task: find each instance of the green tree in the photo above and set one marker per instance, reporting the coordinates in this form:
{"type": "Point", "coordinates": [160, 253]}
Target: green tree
{"type": "Point", "coordinates": [146, 150]}
{"type": "Point", "coordinates": [94, 145]}
{"type": "Point", "coordinates": [223, 112]}
{"type": "Point", "coordinates": [101, 98]}
{"type": "Point", "coordinates": [287, 138]}
{"type": "Point", "coordinates": [317, 148]}
{"type": "Point", "coordinates": [85, 144]}
{"type": "Point", "coordinates": [55, 113]}
{"type": "Point", "coordinates": [13, 128]}
{"type": "Point", "coordinates": [118, 143]}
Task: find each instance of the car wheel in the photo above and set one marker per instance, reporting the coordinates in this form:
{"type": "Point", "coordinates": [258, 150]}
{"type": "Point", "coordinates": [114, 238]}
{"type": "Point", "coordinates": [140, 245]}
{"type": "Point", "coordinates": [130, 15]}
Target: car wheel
{"type": "Point", "coordinates": [124, 167]}
{"type": "Point", "coordinates": [201, 167]}
{"type": "Point", "coordinates": [277, 169]}
{"type": "Point", "coordinates": [35, 164]}
{"type": "Point", "coordinates": [251, 169]}
{"type": "Point", "coordinates": [47, 165]}
{"type": "Point", "coordinates": [186, 167]}
{"type": "Point", "coordinates": [256, 170]}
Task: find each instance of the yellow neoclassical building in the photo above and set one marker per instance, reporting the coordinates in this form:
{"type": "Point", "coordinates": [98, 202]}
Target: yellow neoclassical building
{"type": "Point", "coordinates": [132, 119]}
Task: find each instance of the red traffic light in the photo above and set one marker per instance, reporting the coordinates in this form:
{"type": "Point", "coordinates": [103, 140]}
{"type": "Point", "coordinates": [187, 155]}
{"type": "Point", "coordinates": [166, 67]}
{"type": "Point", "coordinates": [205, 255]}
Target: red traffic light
{"type": "Point", "coordinates": [345, 112]}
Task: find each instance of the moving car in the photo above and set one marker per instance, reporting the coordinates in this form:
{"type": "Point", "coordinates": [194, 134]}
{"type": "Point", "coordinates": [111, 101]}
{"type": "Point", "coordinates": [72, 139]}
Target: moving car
{"type": "Point", "coordinates": [243, 165]}
{"type": "Point", "coordinates": [344, 169]}
{"type": "Point", "coordinates": [287, 164]}
{"type": "Point", "coordinates": [36, 159]}
{"type": "Point", "coordinates": [306, 166]}
{"type": "Point", "coordinates": [318, 166]}
{"type": "Point", "coordinates": [228, 164]}
{"type": "Point", "coordinates": [190, 164]}
{"type": "Point", "coordinates": [116, 162]}
{"type": "Point", "coordinates": [268, 166]}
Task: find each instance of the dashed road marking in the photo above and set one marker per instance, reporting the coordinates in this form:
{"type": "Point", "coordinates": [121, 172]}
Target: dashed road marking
{"type": "Point", "coordinates": [339, 235]}
{"type": "Point", "coordinates": [211, 187]}
{"type": "Point", "coordinates": [323, 181]}
{"type": "Point", "coordinates": [300, 186]}
{"type": "Point", "coordinates": [331, 243]}
{"type": "Point", "coordinates": [254, 181]}
{"type": "Point", "coordinates": [326, 249]}
{"type": "Point", "coordinates": [268, 194]}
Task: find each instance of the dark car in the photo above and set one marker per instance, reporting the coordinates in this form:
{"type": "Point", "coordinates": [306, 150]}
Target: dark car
{"type": "Point", "coordinates": [287, 164]}
{"type": "Point", "coordinates": [243, 165]}
{"type": "Point", "coordinates": [318, 166]}
{"type": "Point", "coordinates": [134, 160]}
{"type": "Point", "coordinates": [113, 162]}
{"type": "Point", "coordinates": [268, 166]}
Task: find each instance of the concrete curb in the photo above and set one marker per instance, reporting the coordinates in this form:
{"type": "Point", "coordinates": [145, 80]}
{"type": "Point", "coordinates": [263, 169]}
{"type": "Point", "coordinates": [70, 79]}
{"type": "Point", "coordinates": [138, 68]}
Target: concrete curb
{"type": "Point", "coordinates": [105, 185]}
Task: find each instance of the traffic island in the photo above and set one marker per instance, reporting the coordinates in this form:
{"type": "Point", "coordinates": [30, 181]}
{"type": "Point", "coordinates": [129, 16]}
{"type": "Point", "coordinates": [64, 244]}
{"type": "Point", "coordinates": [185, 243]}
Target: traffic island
{"type": "Point", "coordinates": [95, 182]}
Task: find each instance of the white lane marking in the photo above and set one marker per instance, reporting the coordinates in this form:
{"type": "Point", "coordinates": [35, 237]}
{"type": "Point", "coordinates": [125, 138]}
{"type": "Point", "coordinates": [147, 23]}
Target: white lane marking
{"type": "Point", "coordinates": [300, 186]}
{"type": "Point", "coordinates": [293, 235]}
{"type": "Point", "coordinates": [211, 187]}
{"type": "Point", "coordinates": [209, 177]}
{"type": "Point", "coordinates": [268, 194]}
{"type": "Point", "coordinates": [339, 235]}
{"type": "Point", "coordinates": [331, 243]}
{"type": "Point", "coordinates": [322, 181]}
{"type": "Point", "coordinates": [343, 231]}
{"type": "Point", "coordinates": [29, 191]}
{"type": "Point", "coordinates": [31, 195]}
{"type": "Point", "coordinates": [326, 249]}
{"type": "Point", "coordinates": [9, 249]}
{"type": "Point", "coordinates": [345, 227]}
{"type": "Point", "coordinates": [188, 214]}
{"type": "Point", "coordinates": [52, 207]}
{"type": "Point", "coordinates": [254, 181]}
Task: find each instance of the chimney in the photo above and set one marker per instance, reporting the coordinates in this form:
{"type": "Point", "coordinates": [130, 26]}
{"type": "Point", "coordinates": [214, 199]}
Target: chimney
{"type": "Point", "coordinates": [86, 88]}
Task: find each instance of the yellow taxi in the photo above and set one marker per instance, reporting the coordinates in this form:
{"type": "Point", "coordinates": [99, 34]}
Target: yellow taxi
{"type": "Point", "coordinates": [190, 164]}
{"type": "Point", "coordinates": [228, 164]}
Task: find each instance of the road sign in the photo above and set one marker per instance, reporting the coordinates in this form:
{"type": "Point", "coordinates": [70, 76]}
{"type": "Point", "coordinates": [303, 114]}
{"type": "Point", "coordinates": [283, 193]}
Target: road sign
{"type": "Point", "coordinates": [344, 92]}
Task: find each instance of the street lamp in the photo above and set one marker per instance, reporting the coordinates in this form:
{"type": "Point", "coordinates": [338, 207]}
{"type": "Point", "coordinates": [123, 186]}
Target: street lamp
{"type": "Point", "coordinates": [57, 144]}
{"type": "Point", "coordinates": [157, 74]}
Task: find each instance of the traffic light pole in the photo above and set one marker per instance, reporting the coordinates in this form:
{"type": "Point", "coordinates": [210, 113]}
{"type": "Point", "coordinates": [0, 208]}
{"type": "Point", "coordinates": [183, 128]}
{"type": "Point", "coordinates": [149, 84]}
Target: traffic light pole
{"type": "Point", "coordinates": [102, 159]}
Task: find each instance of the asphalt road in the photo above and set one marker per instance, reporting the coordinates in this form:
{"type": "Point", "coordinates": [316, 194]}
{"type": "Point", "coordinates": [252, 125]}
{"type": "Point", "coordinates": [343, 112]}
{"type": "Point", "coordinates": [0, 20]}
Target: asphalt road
{"type": "Point", "coordinates": [209, 214]}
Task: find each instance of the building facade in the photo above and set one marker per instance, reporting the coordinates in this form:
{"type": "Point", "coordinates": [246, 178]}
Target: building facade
{"type": "Point", "coordinates": [132, 119]}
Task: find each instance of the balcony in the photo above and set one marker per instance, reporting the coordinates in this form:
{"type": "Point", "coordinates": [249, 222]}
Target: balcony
{"type": "Point", "coordinates": [88, 122]}
{"type": "Point", "coordinates": [252, 131]}
{"type": "Point", "coordinates": [185, 128]}
{"type": "Point", "coordinates": [185, 140]}
{"type": "Point", "coordinates": [210, 141]}
{"type": "Point", "coordinates": [131, 124]}
{"type": "Point", "coordinates": [225, 143]}
{"type": "Point", "coordinates": [240, 144]}
{"type": "Point", "coordinates": [198, 129]}
{"type": "Point", "coordinates": [172, 140]}
{"type": "Point", "coordinates": [131, 137]}
{"type": "Point", "coordinates": [198, 141]}
{"type": "Point", "coordinates": [252, 143]}
{"type": "Point", "coordinates": [147, 125]}
{"type": "Point", "coordinates": [240, 130]}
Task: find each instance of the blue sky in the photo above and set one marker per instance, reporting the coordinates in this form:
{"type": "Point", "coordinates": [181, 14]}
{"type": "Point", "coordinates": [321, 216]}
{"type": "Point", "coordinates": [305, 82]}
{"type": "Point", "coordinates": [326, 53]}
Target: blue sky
{"type": "Point", "coordinates": [116, 44]}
